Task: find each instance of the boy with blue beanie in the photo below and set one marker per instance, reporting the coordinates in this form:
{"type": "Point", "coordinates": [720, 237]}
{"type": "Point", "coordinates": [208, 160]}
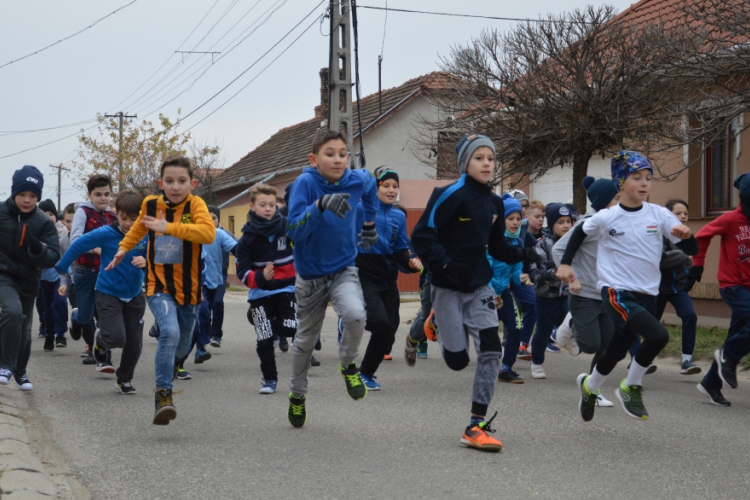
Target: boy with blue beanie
{"type": "Point", "coordinates": [628, 257]}
{"type": "Point", "coordinates": [461, 223]}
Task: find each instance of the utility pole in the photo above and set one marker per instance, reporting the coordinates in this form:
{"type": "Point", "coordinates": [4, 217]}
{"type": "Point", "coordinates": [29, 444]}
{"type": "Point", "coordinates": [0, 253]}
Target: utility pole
{"type": "Point", "coordinates": [340, 71]}
{"type": "Point", "coordinates": [120, 116]}
{"type": "Point", "coordinates": [59, 183]}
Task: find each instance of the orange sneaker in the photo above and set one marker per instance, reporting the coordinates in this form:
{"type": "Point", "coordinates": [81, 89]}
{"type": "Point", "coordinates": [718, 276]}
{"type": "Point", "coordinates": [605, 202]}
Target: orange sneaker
{"type": "Point", "coordinates": [387, 357]}
{"type": "Point", "coordinates": [523, 353]}
{"type": "Point", "coordinates": [430, 328]}
{"type": "Point", "coordinates": [476, 437]}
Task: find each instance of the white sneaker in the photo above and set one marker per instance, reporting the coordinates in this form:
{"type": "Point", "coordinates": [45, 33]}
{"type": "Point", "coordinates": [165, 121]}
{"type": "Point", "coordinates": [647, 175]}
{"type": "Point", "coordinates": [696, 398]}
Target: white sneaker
{"type": "Point", "coordinates": [603, 402]}
{"type": "Point", "coordinates": [537, 371]}
{"type": "Point", "coordinates": [564, 332]}
{"type": "Point", "coordinates": [5, 376]}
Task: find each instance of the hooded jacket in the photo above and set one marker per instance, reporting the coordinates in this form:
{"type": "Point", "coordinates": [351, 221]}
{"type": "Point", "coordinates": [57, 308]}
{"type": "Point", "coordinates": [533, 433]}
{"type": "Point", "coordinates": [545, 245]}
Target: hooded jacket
{"type": "Point", "coordinates": [546, 283]}
{"type": "Point", "coordinates": [16, 260]}
{"type": "Point", "coordinates": [734, 257]}
{"type": "Point", "coordinates": [381, 263]}
{"type": "Point", "coordinates": [323, 243]}
{"type": "Point", "coordinates": [502, 273]}
{"type": "Point", "coordinates": [265, 241]}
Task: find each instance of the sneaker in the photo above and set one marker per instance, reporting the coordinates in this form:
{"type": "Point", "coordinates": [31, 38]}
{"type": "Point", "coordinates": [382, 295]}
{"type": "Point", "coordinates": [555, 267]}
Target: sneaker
{"type": "Point", "coordinates": [76, 330]}
{"type": "Point", "coordinates": [89, 360]}
{"type": "Point", "coordinates": [22, 382]}
{"type": "Point", "coordinates": [201, 355]}
{"type": "Point", "coordinates": [314, 362]}
{"type": "Point", "coordinates": [61, 342]}
{"type": "Point", "coordinates": [476, 437]}
{"type": "Point", "coordinates": [49, 343]}
{"type": "Point", "coordinates": [125, 388]}
{"type": "Point", "coordinates": [727, 368]}
{"type": "Point", "coordinates": [631, 399]}
{"type": "Point", "coordinates": [100, 353]}
{"type": "Point", "coordinates": [564, 332]}
{"type": "Point", "coordinates": [651, 369]}
{"type": "Point", "coordinates": [105, 367]}
{"type": "Point", "coordinates": [5, 376]}
{"type": "Point", "coordinates": [354, 386]}
{"type": "Point", "coordinates": [430, 328]}
{"type": "Point", "coordinates": [523, 353]}
{"type": "Point", "coordinates": [86, 352]}
{"type": "Point", "coordinates": [369, 381]}
{"type": "Point", "coordinates": [283, 344]}
{"type": "Point", "coordinates": [689, 368]}
{"type": "Point", "coordinates": [268, 387]}
{"type": "Point", "coordinates": [165, 410]}
{"type": "Point", "coordinates": [410, 352]}
{"type": "Point", "coordinates": [215, 342]}
{"type": "Point", "coordinates": [587, 403]}
{"type": "Point", "coordinates": [387, 357]}
{"type": "Point", "coordinates": [715, 395]}
{"type": "Point", "coordinates": [341, 329]}
{"type": "Point", "coordinates": [154, 331]}
{"type": "Point", "coordinates": [552, 348]}
{"type": "Point", "coordinates": [41, 333]}
{"type": "Point", "coordinates": [537, 371]}
{"type": "Point", "coordinates": [297, 414]}
{"type": "Point", "coordinates": [422, 350]}
{"type": "Point", "coordinates": [183, 374]}
{"type": "Point", "coordinates": [318, 346]}
{"type": "Point", "coordinates": [603, 402]}
{"type": "Point", "coordinates": [510, 377]}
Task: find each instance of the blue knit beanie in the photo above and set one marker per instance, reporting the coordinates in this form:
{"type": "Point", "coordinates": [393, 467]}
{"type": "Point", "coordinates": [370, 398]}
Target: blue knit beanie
{"type": "Point", "coordinates": [625, 163]}
{"type": "Point", "coordinates": [554, 211]}
{"type": "Point", "coordinates": [511, 205]}
{"type": "Point", "coordinates": [27, 178]}
{"type": "Point", "coordinates": [599, 191]}
{"type": "Point", "coordinates": [466, 147]}
{"type": "Point", "coordinates": [742, 183]}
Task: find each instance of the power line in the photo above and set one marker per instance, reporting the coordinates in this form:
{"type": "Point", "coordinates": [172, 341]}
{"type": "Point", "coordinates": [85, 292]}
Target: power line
{"type": "Point", "coordinates": [46, 143]}
{"type": "Point", "coordinates": [12, 132]}
{"type": "Point", "coordinates": [70, 36]}
{"type": "Point", "coordinates": [387, 9]}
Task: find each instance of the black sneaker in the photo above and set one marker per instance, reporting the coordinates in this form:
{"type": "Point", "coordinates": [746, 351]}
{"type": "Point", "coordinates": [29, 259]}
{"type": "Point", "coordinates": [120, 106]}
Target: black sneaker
{"type": "Point", "coordinates": [49, 343]}
{"type": "Point", "coordinates": [314, 362]}
{"type": "Point", "coordinates": [354, 385]}
{"type": "Point", "coordinates": [105, 367]}
{"type": "Point", "coordinates": [715, 395]}
{"type": "Point", "coordinates": [100, 353]}
{"type": "Point", "coordinates": [125, 388]}
{"type": "Point", "coordinates": [632, 400]}
{"type": "Point", "coordinates": [283, 344]}
{"type": "Point", "coordinates": [61, 342]}
{"type": "Point", "coordinates": [510, 377]}
{"type": "Point", "coordinates": [22, 382]}
{"type": "Point", "coordinates": [297, 414]}
{"type": "Point", "coordinates": [89, 360]}
{"type": "Point", "coordinates": [165, 410]}
{"type": "Point", "coordinates": [75, 329]}
{"type": "Point", "coordinates": [317, 345]}
{"type": "Point", "coordinates": [727, 368]}
{"type": "Point", "coordinates": [154, 331]}
{"type": "Point", "coordinates": [587, 403]}
{"type": "Point", "coordinates": [183, 374]}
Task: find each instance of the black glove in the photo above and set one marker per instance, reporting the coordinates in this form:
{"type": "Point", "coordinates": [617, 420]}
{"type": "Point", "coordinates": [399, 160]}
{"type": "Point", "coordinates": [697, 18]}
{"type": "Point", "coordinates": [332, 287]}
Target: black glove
{"type": "Point", "coordinates": [336, 203]}
{"type": "Point", "coordinates": [695, 274]}
{"type": "Point", "coordinates": [530, 257]}
{"type": "Point", "coordinates": [459, 272]}
{"type": "Point", "coordinates": [33, 245]}
{"type": "Point", "coordinates": [369, 236]}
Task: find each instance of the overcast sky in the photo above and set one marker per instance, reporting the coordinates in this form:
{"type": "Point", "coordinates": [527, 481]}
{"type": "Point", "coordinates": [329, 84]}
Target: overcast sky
{"type": "Point", "coordinates": [115, 66]}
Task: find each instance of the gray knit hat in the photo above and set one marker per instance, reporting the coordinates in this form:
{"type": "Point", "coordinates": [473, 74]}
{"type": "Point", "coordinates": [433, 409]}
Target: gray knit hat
{"type": "Point", "coordinates": [466, 147]}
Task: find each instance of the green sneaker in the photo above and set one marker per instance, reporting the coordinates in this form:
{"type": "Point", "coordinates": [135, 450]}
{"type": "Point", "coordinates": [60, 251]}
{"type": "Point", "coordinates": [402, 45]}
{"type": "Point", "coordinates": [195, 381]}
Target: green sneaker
{"type": "Point", "coordinates": [422, 350]}
{"type": "Point", "coordinates": [297, 414]}
{"type": "Point", "coordinates": [632, 402]}
{"type": "Point", "coordinates": [354, 386]}
{"type": "Point", "coordinates": [587, 404]}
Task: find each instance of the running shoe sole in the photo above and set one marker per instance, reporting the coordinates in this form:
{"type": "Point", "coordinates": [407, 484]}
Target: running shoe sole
{"type": "Point", "coordinates": [106, 369]}
{"type": "Point", "coordinates": [703, 391]}
{"type": "Point", "coordinates": [693, 370]}
{"type": "Point", "coordinates": [164, 415]}
{"type": "Point", "coordinates": [476, 446]}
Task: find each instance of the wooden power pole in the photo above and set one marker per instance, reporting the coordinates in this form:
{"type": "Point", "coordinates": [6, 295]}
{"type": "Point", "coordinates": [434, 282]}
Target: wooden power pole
{"type": "Point", "coordinates": [120, 116]}
{"type": "Point", "coordinates": [340, 71]}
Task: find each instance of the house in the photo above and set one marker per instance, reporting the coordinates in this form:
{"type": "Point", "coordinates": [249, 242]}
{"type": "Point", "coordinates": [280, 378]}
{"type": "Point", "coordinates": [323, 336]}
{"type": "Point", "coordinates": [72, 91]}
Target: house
{"type": "Point", "coordinates": [390, 139]}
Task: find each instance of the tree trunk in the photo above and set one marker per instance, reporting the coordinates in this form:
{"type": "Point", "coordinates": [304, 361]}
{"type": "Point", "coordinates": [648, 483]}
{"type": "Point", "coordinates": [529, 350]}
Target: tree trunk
{"type": "Point", "coordinates": [580, 169]}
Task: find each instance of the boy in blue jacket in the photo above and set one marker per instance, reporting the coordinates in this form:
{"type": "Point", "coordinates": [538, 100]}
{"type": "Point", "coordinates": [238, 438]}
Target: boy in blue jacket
{"type": "Point", "coordinates": [324, 231]}
{"type": "Point", "coordinates": [118, 293]}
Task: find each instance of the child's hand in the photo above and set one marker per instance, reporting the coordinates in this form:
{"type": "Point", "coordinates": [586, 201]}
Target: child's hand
{"type": "Point", "coordinates": [139, 262]}
{"type": "Point", "coordinates": [415, 264]}
{"type": "Point", "coordinates": [526, 279]}
{"type": "Point", "coordinates": [575, 286]}
{"type": "Point", "coordinates": [499, 302]}
{"type": "Point", "coordinates": [157, 225]}
{"type": "Point", "coordinates": [62, 290]}
{"type": "Point", "coordinates": [268, 271]}
{"type": "Point", "coordinates": [335, 203]}
{"type": "Point", "coordinates": [116, 260]}
{"type": "Point", "coordinates": [368, 236]}
{"type": "Point", "coordinates": [681, 231]}
{"type": "Point", "coordinates": [566, 274]}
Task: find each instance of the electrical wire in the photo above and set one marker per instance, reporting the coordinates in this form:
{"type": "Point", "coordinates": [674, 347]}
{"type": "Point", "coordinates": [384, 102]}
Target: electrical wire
{"type": "Point", "coordinates": [47, 143]}
{"type": "Point", "coordinates": [385, 24]}
{"type": "Point", "coordinates": [12, 132]}
{"type": "Point", "coordinates": [70, 36]}
{"type": "Point", "coordinates": [496, 18]}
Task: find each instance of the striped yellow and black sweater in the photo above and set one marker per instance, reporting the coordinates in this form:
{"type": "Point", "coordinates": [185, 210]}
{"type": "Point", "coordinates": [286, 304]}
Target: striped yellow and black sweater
{"type": "Point", "coordinates": [174, 258]}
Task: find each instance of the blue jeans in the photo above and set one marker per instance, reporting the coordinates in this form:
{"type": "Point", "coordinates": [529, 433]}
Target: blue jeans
{"type": "Point", "coordinates": [526, 300]}
{"type": "Point", "coordinates": [176, 323]}
{"type": "Point", "coordinates": [683, 306]}
{"type": "Point", "coordinates": [218, 312]}
{"type": "Point", "coordinates": [737, 344]}
{"type": "Point", "coordinates": [549, 310]}
{"type": "Point", "coordinates": [508, 314]}
{"type": "Point", "coordinates": [85, 280]}
{"type": "Point", "coordinates": [55, 309]}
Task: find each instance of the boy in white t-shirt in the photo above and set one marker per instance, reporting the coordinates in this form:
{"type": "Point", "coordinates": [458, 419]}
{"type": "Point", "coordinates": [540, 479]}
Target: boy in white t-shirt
{"type": "Point", "coordinates": [628, 256]}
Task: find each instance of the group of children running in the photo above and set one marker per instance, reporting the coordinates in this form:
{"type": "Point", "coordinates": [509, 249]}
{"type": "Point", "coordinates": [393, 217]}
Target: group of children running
{"type": "Point", "coordinates": [597, 284]}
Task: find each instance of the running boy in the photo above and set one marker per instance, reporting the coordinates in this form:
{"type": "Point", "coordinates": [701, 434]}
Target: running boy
{"type": "Point", "coordinates": [177, 224]}
{"type": "Point", "coordinates": [627, 263]}
{"type": "Point", "coordinates": [55, 308]}
{"type": "Point", "coordinates": [29, 243]}
{"type": "Point", "coordinates": [119, 296]}
{"type": "Point", "coordinates": [462, 221]}
{"type": "Point", "coordinates": [324, 234]}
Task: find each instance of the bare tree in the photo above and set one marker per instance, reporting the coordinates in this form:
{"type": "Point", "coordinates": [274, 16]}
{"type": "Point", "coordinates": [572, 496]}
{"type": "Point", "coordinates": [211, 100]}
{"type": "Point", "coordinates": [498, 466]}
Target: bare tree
{"type": "Point", "coordinates": [207, 165]}
{"type": "Point", "coordinates": [567, 88]}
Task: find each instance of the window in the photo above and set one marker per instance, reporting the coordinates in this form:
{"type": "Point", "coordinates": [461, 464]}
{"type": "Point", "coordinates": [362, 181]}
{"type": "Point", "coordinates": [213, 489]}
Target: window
{"type": "Point", "coordinates": [231, 225]}
{"type": "Point", "coordinates": [719, 162]}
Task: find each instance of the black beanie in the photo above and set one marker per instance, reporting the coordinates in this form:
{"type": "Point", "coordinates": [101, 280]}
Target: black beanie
{"type": "Point", "coordinates": [213, 209]}
{"type": "Point", "coordinates": [28, 178]}
{"type": "Point", "coordinates": [48, 206]}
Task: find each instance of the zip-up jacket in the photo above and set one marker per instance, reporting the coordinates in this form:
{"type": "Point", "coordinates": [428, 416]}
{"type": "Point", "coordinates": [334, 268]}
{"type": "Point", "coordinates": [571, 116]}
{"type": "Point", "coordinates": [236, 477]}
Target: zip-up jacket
{"type": "Point", "coordinates": [124, 281]}
{"type": "Point", "coordinates": [462, 222]}
{"type": "Point", "coordinates": [213, 258]}
{"type": "Point", "coordinates": [86, 219]}
{"type": "Point", "coordinates": [16, 260]}
{"type": "Point", "coordinates": [381, 263]}
{"type": "Point", "coordinates": [323, 243]}
{"type": "Point", "coordinates": [503, 273]}
{"type": "Point", "coordinates": [265, 241]}
{"type": "Point", "coordinates": [174, 259]}
{"type": "Point", "coordinates": [546, 283]}
{"type": "Point", "coordinates": [734, 259]}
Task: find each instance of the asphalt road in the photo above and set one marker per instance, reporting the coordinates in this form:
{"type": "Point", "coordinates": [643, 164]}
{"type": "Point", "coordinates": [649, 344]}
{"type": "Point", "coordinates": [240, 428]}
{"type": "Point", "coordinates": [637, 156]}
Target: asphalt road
{"type": "Point", "coordinates": [402, 442]}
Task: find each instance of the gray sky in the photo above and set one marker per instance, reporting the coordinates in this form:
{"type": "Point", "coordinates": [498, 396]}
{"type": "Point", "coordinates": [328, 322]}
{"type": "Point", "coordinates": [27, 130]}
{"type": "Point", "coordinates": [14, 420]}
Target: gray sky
{"type": "Point", "coordinates": [107, 68]}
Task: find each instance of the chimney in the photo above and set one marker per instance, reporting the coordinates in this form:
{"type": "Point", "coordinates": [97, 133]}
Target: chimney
{"type": "Point", "coordinates": [322, 110]}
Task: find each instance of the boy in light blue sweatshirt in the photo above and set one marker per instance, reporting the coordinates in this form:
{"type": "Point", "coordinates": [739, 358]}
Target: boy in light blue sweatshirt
{"type": "Point", "coordinates": [324, 231]}
{"type": "Point", "coordinates": [118, 293]}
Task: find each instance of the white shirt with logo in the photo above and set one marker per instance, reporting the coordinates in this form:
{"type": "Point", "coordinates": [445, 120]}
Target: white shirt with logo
{"type": "Point", "coordinates": [630, 246]}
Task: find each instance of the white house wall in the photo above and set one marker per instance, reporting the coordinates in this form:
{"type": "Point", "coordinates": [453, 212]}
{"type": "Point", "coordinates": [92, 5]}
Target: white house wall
{"type": "Point", "coordinates": [557, 184]}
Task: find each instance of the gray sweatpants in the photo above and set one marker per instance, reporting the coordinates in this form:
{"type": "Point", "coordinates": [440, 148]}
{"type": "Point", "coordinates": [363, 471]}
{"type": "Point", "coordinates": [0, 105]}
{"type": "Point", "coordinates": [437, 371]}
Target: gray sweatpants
{"type": "Point", "coordinates": [345, 293]}
{"type": "Point", "coordinates": [463, 315]}
{"type": "Point", "coordinates": [592, 327]}
{"type": "Point", "coordinates": [15, 326]}
{"type": "Point", "coordinates": [121, 326]}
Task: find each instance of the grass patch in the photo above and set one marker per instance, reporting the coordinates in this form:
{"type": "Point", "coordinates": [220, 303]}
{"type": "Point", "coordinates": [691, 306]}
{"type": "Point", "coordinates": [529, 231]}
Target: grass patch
{"type": "Point", "coordinates": [707, 340]}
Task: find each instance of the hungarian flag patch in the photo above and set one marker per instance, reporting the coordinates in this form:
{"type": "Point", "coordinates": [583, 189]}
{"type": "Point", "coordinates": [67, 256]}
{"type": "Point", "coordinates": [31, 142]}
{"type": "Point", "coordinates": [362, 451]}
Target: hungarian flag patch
{"type": "Point", "coordinates": [652, 229]}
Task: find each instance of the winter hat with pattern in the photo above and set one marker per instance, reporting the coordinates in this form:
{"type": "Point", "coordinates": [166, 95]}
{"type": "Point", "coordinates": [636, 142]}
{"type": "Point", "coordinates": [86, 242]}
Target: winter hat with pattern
{"type": "Point", "coordinates": [466, 147]}
{"type": "Point", "coordinates": [625, 163]}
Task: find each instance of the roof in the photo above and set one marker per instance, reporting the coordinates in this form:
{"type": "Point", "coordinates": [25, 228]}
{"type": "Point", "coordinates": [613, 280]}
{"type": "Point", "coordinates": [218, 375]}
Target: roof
{"type": "Point", "coordinates": [290, 146]}
{"type": "Point", "coordinates": [671, 13]}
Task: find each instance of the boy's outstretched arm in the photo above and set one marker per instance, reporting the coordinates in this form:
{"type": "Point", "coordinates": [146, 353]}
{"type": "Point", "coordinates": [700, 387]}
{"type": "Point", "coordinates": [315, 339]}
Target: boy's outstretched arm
{"type": "Point", "coordinates": [84, 244]}
{"type": "Point", "coordinates": [304, 211]}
